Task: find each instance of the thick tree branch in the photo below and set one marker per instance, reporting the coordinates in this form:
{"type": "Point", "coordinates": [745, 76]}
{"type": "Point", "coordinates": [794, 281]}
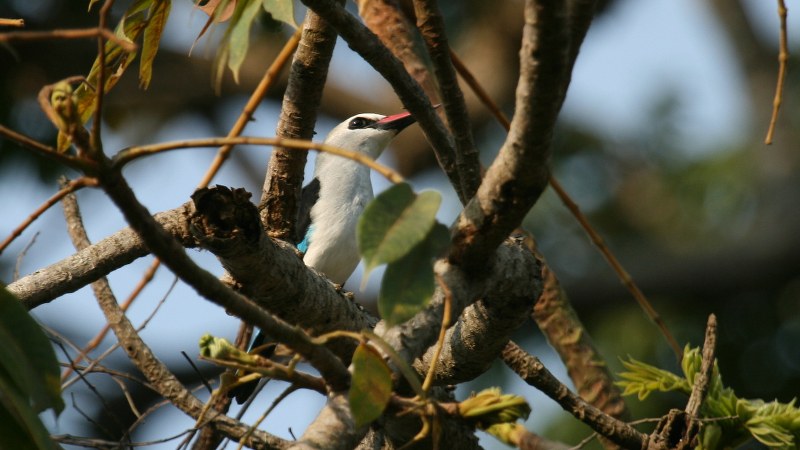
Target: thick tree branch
{"type": "Point", "coordinates": [564, 331]}
{"type": "Point", "coordinates": [485, 327]}
{"type": "Point", "coordinates": [333, 429]}
{"type": "Point", "coordinates": [510, 282]}
{"type": "Point", "coordinates": [98, 260]}
{"type": "Point", "coordinates": [520, 172]}
{"type": "Point", "coordinates": [208, 286]}
{"type": "Point", "coordinates": [281, 192]}
{"type": "Point", "coordinates": [270, 272]}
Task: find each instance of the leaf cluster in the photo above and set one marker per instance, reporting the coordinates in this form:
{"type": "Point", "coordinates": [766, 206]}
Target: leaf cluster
{"type": "Point", "coordinates": [730, 420]}
{"type": "Point", "coordinates": [399, 228]}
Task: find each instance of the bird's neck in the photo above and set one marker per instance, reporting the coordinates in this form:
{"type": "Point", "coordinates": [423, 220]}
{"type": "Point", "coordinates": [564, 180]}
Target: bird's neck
{"type": "Point", "coordinates": [341, 178]}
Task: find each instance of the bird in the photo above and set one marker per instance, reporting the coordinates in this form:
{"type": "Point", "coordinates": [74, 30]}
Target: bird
{"type": "Point", "coordinates": [331, 204]}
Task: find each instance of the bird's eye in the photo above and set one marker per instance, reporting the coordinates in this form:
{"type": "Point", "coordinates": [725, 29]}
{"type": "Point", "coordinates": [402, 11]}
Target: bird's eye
{"type": "Point", "coordinates": [359, 122]}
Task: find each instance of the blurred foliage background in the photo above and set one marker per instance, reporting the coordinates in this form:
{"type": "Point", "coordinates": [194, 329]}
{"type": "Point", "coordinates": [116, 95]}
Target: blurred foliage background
{"type": "Point", "coordinates": [702, 225]}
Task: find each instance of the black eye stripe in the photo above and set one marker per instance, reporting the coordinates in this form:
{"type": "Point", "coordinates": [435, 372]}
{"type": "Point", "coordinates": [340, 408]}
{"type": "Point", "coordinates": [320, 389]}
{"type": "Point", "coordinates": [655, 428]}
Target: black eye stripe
{"type": "Point", "coordinates": [359, 122]}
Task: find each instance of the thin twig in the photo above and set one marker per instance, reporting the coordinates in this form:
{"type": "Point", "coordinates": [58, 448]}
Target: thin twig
{"type": "Point", "coordinates": [68, 189]}
{"type": "Point", "coordinates": [702, 380]}
{"type": "Point", "coordinates": [39, 148]}
{"type": "Point", "coordinates": [255, 99]}
{"type": "Point", "coordinates": [81, 33]}
{"type": "Point", "coordinates": [101, 443]}
{"type": "Point", "coordinates": [131, 153]}
{"type": "Point", "coordinates": [476, 87]}
{"type": "Point", "coordinates": [783, 58]}
{"type": "Point", "coordinates": [22, 254]}
{"type": "Point", "coordinates": [446, 318]}
{"type": "Point", "coordinates": [612, 260]}
{"type": "Point", "coordinates": [12, 22]}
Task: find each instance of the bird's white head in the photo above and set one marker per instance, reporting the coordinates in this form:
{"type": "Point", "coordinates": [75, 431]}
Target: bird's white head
{"type": "Point", "coordinates": [368, 133]}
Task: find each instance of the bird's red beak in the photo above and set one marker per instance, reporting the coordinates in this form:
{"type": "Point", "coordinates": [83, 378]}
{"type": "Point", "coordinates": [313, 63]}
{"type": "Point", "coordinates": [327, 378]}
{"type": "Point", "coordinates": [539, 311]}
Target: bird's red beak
{"type": "Point", "coordinates": [395, 121]}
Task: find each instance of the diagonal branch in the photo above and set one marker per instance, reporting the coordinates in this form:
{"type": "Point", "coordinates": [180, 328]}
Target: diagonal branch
{"type": "Point", "coordinates": [157, 374]}
{"type": "Point", "coordinates": [533, 372]}
{"type": "Point", "coordinates": [98, 260]}
{"type": "Point", "coordinates": [431, 25]}
{"type": "Point", "coordinates": [520, 172]}
{"type": "Point", "coordinates": [207, 285]}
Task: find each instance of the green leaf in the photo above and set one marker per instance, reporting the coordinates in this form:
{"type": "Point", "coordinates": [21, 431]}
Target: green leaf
{"type": "Point", "coordinates": [29, 378]}
{"type": "Point", "coordinates": [408, 283]}
{"type": "Point", "coordinates": [393, 223]}
{"type": "Point", "coordinates": [157, 20]}
{"type": "Point", "coordinates": [129, 29]}
{"type": "Point", "coordinates": [370, 386]}
{"type": "Point", "coordinates": [281, 10]}
{"type": "Point", "coordinates": [236, 40]}
{"type": "Point", "coordinates": [27, 359]}
{"type": "Point", "coordinates": [20, 427]}
{"type": "Point", "coordinates": [643, 379]}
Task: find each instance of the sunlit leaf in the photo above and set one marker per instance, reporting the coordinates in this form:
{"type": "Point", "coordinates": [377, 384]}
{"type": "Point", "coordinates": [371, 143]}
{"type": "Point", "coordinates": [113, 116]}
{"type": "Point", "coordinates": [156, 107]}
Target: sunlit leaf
{"type": "Point", "coordinates": [394, 223]}
{"type": "Point", "coordinates": [159, 13]}
{"type": "Point", "coordinates": [371, 385]}
{"type": "Point", "coordinates": [408, 283]}
{"type": "Point", "coordinates": [129, 29]}
{"type": "Point", "coordinates": [217, 10]}
{"type": "Point", "coordinates": [281, 10]}
{"type": "Point", "coordinates": [239, 39]}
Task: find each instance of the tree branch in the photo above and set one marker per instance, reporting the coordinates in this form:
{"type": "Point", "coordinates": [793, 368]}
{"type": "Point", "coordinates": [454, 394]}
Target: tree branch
{"type": "Point", "coordinates": [157, 374]}
{"type": "Point", "coordinates": [520, 172]}
{"type": "Point", "coordinates": [533, 372]}
{"type": "Point", "coordinates": [431, 25]}
{"type": "Point", "coordinates": [333, 429]}
{"type": "Point", "coordinates": [208, 286]}
{"type": "Point", "coordinates": [564, 331]}
{"type": "Point", "coordinates": [485, 327]}
{"type": "Point", "coordinates": [281, 192]}
{"type": "Point", "coordinates": [98, 260]}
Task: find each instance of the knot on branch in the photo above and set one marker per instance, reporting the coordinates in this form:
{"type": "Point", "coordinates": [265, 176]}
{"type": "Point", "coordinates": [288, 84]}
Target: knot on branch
{"type": "Point", "coordinates": [222, 213]}
{"type": "Point", "coordinates": [676, 431]}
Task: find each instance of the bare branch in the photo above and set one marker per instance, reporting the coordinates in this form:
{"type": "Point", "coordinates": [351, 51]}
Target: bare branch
{"type": "Point", "coordinates": [520, 172]}
{"type": "Point", "coordinates": [533, 372]}
{"type": "Point", "coordinates": [703, 378]}
{"type": "Point", "coordinates": [564, 331]}
{"type": "Point", "coordinates": [431, 25]}
{"type": "Point", "coordinates": [80, 269]}
{"type": "Point", "coordinates": [174, 256]}
{"type": "Point", "coordinates": [140, 354]}
{"type": "Point", "coordinates": [281, 192]}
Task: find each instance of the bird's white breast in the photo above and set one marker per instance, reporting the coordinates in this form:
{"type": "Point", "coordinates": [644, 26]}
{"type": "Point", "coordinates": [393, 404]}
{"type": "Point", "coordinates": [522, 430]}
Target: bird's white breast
{"type": "Point", "coordinates": [345, 190]}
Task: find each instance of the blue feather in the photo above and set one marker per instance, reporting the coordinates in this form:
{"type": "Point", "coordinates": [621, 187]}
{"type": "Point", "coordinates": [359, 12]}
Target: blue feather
{"type": "Point", "coordinates": [303, 245]}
